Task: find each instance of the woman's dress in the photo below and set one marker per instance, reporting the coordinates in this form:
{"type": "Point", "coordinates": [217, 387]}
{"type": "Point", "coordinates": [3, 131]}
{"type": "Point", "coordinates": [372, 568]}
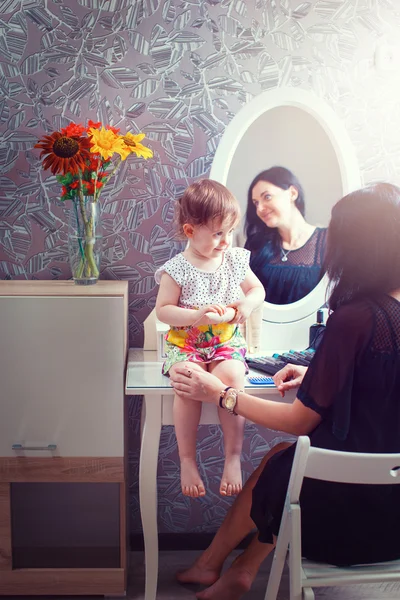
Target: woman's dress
{"type": "Point", "coordinates": [353, 382]}
{"type": "Point", "coordinates": [286, 281]}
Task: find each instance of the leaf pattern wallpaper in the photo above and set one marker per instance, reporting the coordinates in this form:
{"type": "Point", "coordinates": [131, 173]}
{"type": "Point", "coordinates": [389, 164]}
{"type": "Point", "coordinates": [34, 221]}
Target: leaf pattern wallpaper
{"type": "Point", "coordinates": [177, 70]}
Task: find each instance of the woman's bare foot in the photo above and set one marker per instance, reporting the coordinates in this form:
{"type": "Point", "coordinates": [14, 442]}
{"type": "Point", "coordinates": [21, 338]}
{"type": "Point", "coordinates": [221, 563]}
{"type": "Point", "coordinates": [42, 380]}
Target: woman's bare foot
{"type": "Point", "coordinates": [191, 482]}
{"type": "Point", "coordinates": [198, 573]}
{"type": "Point", "coordinates": [232, 585]}
{"type": "Point", "coordinates": [231, 482]}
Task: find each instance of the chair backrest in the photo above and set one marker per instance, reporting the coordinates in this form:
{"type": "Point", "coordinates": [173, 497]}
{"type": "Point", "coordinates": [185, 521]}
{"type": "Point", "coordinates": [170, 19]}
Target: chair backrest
{"type": "Point", "coordinates": [343, 467]}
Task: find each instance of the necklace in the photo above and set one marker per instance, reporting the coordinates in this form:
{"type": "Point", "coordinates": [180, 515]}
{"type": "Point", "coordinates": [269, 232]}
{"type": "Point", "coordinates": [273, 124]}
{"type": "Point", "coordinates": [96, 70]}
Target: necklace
{"type": "Point", "coordinates": [284, 253]}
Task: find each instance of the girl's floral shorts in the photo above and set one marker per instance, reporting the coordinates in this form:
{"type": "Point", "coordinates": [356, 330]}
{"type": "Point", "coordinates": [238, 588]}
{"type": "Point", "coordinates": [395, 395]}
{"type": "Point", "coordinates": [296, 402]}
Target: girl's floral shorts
{"type": "Point", "coordinates": [204, 344]}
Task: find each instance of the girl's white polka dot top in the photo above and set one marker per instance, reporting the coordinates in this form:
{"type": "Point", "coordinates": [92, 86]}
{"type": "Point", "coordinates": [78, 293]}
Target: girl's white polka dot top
{"type": "Point", "coordinates": [199, 288]}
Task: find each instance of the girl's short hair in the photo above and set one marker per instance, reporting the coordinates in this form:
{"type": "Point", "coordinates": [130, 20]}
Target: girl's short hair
{"type": "Point", "coordinates": [258, 234]}
{"type": "Point", "coordinates": [363, 244]}
{"type": "Point", "coordinates": [204, 201]}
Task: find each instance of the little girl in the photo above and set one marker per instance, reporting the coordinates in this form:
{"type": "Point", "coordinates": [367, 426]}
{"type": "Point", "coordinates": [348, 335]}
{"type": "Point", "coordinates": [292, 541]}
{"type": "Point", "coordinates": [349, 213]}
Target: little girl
{"type": "Point", "coordinates": [205, 293]}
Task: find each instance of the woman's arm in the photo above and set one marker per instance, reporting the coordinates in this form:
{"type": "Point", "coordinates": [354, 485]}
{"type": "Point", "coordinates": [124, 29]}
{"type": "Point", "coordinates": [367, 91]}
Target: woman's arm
{"type": "Point", "coordinates": [168, 311]}
{"type": "Point", "coordinates": [296, 418]}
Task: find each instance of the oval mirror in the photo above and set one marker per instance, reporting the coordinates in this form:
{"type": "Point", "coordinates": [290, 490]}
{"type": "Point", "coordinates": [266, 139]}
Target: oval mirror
{"type": "Point", "coordinates": [295, 129]}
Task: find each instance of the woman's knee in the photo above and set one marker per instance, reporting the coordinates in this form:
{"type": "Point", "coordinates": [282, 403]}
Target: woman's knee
{"type": "Point", "coordinates": [252, 480]}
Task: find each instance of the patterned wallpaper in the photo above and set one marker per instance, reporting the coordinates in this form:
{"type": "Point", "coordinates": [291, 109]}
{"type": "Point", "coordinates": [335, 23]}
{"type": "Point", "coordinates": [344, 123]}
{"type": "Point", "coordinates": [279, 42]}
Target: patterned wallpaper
{"type": "Point", "coordinates": [178, 70]}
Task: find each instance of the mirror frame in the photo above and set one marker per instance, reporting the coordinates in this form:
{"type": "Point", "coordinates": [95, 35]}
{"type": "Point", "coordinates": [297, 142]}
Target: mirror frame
{"type": "Point", "coordinates": [345, 153]}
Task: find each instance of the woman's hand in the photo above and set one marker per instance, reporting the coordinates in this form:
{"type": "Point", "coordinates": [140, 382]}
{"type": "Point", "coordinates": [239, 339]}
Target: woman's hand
{"type": "Point", "coordinates": [243, 310]}
{"type": "Point", "coordinates": [289, 377]}
{"type": "Point", "coordinates": [196, 384]}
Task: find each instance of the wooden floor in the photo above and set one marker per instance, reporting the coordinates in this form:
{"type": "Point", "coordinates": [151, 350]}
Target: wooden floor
{"type": "Point", "coordinates": [169, 589]}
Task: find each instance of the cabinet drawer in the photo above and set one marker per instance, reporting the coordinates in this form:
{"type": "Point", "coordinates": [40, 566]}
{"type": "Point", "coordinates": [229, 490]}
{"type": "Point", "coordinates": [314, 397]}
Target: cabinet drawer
{"type": "Point", "coordinates": [61, 374]}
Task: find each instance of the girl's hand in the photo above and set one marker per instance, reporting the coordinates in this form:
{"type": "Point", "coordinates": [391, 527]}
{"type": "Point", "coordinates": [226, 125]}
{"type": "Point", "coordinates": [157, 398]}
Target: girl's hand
{"type": "Point", "coordinates": [243, 311]}
{"type": "Point", "coordinates": [196, 385]}
{"type": "Point", "coordinates": [213, 308]}
{"type": "Point", "coordinates": [209, 314]}
{"type": "Point", "coordinates": [289, 377]}
{"type": "Point", "coordinates": [226, 317]}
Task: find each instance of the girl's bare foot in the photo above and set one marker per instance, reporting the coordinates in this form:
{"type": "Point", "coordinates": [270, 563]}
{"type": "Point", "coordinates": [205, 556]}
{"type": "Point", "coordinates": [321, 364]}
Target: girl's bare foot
{"type": "Point", "coordinates": [191, 482]}
{"type": "Point", "coordinates": [232, 585]}
{"type": "Point", "coordinates": [198, 573]}
{"type": "Point", "coordinates": [231, 482]}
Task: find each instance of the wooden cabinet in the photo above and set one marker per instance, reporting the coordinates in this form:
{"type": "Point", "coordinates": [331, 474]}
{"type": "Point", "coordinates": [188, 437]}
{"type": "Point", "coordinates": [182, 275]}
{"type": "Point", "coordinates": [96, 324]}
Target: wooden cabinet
{"type": "Point", "coordinates": [62, 459]}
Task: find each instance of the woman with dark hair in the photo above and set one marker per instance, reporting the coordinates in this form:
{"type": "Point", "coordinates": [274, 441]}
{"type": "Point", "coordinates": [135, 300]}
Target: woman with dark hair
{"type": "Point", "coordinates": [286, 251]}
{"type": "Point", "coordinates": [348, 399]}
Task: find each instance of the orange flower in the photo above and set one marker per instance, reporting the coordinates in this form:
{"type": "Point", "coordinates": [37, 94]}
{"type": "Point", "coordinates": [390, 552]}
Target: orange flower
{"type": "Point", "coordinates": [73, 130]}
{"type": "Point", "coordinates": [94, 164]}
{"type": "Point", "coordinates": [113, 129]}
{"type": "Point", "coordinates": [93, 124]}
{"type": "Point", "coordinates": [89, 187]}
{"type": "Point", "coordinates": [63, 154]}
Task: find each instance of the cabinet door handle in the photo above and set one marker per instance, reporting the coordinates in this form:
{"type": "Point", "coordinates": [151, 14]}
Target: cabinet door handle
{"type": "Point", "coordinates": [50, 447]}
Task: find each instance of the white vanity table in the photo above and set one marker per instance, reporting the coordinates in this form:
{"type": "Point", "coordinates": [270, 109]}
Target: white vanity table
{"type": "Point", "coordinates": [144, 377]}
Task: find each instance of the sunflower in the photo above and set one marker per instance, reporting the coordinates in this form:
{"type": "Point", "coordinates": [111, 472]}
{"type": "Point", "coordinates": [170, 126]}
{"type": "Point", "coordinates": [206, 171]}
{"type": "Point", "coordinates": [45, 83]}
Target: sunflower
{"type": "Point", "coordinates": [132, 143]}
{"type": "Point", "coordinates": [105, 142]}
{"type": "Point", "coordinates": [63, 154]}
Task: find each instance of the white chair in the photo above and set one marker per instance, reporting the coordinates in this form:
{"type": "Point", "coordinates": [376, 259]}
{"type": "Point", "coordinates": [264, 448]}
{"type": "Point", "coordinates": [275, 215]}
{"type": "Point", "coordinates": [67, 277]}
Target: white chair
{"type": "Point", "coordinates": [328, 465]}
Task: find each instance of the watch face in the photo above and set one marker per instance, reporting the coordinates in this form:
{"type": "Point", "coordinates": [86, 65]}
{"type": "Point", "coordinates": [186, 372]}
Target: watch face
{"type": "Point", "coordinates": [230, 400]}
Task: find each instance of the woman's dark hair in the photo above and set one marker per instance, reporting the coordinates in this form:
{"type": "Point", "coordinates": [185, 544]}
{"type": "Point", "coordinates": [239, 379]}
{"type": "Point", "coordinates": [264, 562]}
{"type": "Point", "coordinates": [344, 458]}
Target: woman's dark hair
{"type": "Point", "coordinates": [258, 235]}
{"type": "Point", "coordinates": [363, 244]}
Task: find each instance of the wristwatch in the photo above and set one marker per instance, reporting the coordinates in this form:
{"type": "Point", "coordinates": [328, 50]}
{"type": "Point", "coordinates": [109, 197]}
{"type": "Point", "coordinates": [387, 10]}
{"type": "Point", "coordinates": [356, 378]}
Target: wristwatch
{"type": "Point", "coordinates": [228, 399]}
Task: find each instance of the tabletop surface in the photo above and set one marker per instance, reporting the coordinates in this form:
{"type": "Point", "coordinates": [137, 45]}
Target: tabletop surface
{"type": "Point", "coordinates": [144, 378]}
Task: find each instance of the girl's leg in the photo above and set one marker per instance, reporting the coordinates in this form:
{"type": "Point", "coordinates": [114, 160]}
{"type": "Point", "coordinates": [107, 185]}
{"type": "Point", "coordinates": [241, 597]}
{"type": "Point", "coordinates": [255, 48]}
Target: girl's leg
{"type": "Point", "coordinates": [186, 419]}
{"type": "Point", "coordinates": [232, 373]}
{"type": "Point", "coordinates": [237, 524]}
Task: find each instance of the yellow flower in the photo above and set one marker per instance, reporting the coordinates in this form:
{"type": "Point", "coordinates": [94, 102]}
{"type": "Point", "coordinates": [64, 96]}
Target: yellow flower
{"type": "Point", "coordinates": [132, 144]}
{"type": "Point", "coordinates": [105, 142]}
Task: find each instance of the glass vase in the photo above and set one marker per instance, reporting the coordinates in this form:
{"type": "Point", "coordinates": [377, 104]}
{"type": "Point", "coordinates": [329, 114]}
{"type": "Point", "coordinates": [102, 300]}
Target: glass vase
{"type": "Point", "coordinates": [85, 240]}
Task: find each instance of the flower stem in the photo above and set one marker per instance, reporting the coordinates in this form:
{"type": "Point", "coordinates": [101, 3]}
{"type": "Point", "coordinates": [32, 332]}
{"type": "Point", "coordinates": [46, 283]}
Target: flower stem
{"type": "Point", "coordinates": [87, 265]}
{"type": "Point", "coordinates": [78, 229]}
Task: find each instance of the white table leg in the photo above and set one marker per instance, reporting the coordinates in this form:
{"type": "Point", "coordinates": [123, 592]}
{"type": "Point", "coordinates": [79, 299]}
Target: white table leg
{"type": "Point", "coordinates": [151, 430]}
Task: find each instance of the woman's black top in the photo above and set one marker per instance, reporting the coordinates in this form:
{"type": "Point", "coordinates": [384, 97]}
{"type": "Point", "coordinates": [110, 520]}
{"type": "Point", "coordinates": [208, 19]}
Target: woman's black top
{"type": "Point", "coordinates": [290, 280]}
{"type": "Point", "coordinates": [353, 382]}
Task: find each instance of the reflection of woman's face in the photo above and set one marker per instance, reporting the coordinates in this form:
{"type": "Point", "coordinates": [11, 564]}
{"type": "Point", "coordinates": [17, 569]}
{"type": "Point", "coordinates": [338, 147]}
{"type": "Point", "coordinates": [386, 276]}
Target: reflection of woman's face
{"type": "Point", "coordinates": [274, 206]}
